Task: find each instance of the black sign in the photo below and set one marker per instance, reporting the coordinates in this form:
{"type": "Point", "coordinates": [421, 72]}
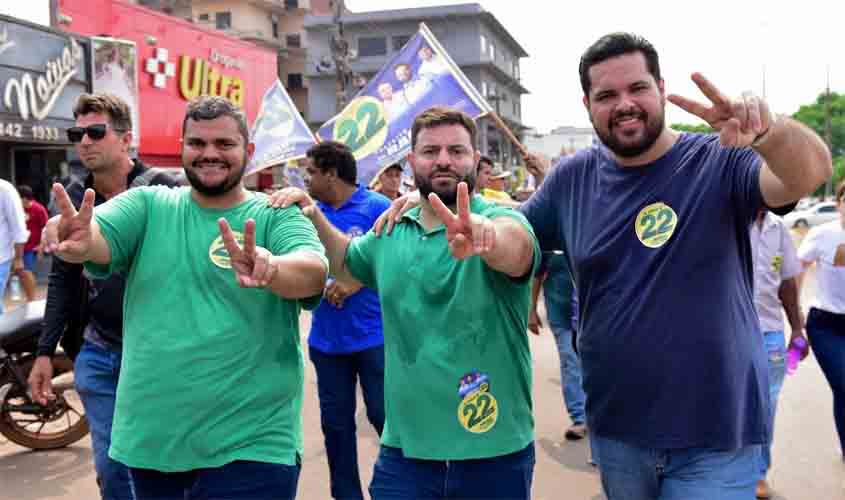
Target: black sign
{"type": "Point", "coordinates": [42, 73]}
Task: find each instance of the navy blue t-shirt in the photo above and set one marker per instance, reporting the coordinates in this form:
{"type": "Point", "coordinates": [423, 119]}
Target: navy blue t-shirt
{"type": "Point", "coordinates": [661, 259]}
{"type": "Point", "coordinates": [357, 325]}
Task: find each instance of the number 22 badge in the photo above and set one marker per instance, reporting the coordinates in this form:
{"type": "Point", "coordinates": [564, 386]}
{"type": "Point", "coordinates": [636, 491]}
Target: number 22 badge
{"type": "Point", "coordinates": [478, 409]}
{"type": "Point", "coordinates": [655, 224]}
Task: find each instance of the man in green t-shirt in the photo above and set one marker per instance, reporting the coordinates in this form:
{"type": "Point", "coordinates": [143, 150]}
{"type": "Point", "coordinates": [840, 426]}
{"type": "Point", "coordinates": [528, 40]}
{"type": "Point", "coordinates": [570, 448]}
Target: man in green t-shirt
{"type": "Point", "coordinates": [454, 290]}
{"type": "Point", "coordinates": [210, 393]}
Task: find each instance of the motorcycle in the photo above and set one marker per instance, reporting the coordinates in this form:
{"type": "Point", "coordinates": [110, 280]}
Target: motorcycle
{"type": "Point", "coordinates": [23, 421]}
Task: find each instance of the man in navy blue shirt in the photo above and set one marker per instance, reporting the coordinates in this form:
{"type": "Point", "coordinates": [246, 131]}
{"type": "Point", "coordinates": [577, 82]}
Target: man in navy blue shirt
{"type": "Point", "coordinates": [655, 227]}
{"type": "Point", "coordinates": [346, 341]}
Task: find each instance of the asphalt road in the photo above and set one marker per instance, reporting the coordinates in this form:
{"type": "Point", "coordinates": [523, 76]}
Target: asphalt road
{"type": "Point", "coordinates": [806, 461]}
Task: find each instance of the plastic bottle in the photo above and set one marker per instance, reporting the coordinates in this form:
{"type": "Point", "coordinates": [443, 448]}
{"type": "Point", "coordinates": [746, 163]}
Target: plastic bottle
{"type": "Point", "coordinates": [793, 355]}
{"type": "Point", "coordinates": [15, 288]}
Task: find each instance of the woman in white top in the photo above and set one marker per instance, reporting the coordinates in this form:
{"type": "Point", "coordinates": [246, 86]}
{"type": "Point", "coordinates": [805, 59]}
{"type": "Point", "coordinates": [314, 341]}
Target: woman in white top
{"type": "Point", "coordinates": [825, 246]}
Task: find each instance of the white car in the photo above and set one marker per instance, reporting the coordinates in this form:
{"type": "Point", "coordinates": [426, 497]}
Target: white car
{"type": "Point", "coordinates": [813, 216]}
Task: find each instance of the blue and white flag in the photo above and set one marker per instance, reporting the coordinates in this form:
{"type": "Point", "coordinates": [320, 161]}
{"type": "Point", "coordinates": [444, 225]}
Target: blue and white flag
{"type": "Point", "coordinates": [279, 133]}
{"type": "Point", "coordinates": [376, 124]}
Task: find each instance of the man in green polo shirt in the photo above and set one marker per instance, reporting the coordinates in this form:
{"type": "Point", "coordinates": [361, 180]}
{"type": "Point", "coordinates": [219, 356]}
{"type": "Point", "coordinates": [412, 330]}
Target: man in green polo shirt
{"type": "Point", "coordinates": [210, 394]}
{"type": "Point", "coordinates": [455, 294]}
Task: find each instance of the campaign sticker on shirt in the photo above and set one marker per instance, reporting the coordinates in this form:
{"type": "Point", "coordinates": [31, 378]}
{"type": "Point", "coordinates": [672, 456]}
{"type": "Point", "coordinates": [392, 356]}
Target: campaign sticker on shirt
{"type": "Point", "coordinates": [219, 255]}
{"type": "Point", "coordinates": [777, 263]}
{"type": "Point", "coordinates": [478, 410]}
{"type": "Point", "coordinates": [655, 224]}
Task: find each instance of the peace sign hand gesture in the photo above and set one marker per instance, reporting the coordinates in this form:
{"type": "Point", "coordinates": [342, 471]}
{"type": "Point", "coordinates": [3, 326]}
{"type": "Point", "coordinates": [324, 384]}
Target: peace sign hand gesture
{"type": "Point", "coordinates": [252, 264]}
{"type": "Point", "coordinates": [739, 121]}
{"type": "Point", "coordinates": [69, 234]}
{"type": "Point", "coordinates": [468, 234]}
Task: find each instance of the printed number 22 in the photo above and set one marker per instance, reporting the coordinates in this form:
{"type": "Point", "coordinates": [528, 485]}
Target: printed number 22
{"type": "Point", "coordinates": [369, 117]}
{"type": "Point", "coordinates": [479, 411]}
{"type": "Point", "coordinates": [650, 222]}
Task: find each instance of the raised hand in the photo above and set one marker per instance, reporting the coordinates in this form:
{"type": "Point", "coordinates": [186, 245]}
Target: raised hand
{"type": "Point", "coordinates": [739, 121]}
{"type": "Point", "coordinates": [290, 195]}
{"type": "Point", "coordinates": [537, 165]}
{"type": "Point", "coordinates": [69, 235]}
{"type": "Point", "coordinates": [468, 234]}
{"type": "Point", "coordinates": [252, 264]}
{"type": "Point", "coordinates": [394, 214]}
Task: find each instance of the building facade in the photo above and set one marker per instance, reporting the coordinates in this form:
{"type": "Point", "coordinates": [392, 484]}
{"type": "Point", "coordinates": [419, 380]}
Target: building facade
{"type": "Point", "coordinates": [561, 141]}
{"type": "Point", "coordinates": [473, 37]}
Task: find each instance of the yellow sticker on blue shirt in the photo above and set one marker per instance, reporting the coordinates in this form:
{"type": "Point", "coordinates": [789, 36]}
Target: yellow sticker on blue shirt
{"type": "Point", "coordinates": [655, 224]}
{"type": "Point", "coordinates": [219, 255]}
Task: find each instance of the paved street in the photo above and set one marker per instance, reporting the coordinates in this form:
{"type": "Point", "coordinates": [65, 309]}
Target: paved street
{"type": "Point", "coordinates": [805, 453]}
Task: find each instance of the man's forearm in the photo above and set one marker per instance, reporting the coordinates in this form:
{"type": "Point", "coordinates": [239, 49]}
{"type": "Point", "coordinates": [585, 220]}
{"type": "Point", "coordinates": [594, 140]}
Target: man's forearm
{"type": "Point", "coordinates": [299, 275]}
{"type": "Point", "coordinates": [798, 157]}
{"type": "Point", "coordinates": [791, 301]}
{"type": "Point", "coordinates": [336, 244]}
{"type": "Point", "coordinates": [513, 252]}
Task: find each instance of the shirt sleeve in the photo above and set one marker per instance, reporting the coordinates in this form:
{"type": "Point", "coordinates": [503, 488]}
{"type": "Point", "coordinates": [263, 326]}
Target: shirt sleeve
{"type": "Point", "coordinates": [745, 166]}
{"type": "Point", "coordinates": [360, 256]}
{"type": "Point", "coordinates": [542, 213]}
{"type": "Point", "coordinates": [495, 211]}
{"type": "Point", "coordinates": [791, 265]}
{"type": "Point", "coordinates": [123, 222]}
{"type": "Point", "coordinates": [293, 232]}
{"type": "Point", "coordinates": [810, 249]}
{"type": "Point", "coordinates": [13, 208]}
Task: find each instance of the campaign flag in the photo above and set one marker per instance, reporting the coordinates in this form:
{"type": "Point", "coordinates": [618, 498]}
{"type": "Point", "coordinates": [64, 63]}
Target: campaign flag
{"type": "Point", "coordinates": [279, 133]}
{"type": "Point", "coordinates": [376, 124]}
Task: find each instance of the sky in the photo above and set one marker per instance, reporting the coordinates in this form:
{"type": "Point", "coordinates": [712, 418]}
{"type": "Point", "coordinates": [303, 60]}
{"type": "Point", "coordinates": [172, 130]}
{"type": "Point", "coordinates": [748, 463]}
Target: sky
{"type": "Point", "coordinates": [730, 42]}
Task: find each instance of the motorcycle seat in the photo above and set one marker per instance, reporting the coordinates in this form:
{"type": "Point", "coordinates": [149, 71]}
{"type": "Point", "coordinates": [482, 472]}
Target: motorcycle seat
{"type": "Point", "coordinates": [21, 323]}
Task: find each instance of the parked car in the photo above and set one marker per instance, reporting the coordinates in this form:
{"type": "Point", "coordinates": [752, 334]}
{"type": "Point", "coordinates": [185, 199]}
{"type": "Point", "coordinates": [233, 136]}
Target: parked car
{"type": "Point", "coordinates": [805, 204]}
{"type": "Point", "coordinates": [813, 216]}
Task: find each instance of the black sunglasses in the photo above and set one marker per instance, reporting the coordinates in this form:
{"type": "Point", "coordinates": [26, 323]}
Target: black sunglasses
{"type": "Point", "coordinates": [95, 132]}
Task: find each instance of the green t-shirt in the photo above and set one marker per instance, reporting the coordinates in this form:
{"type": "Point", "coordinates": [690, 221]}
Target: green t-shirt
{"type": "Point", "coordinates": [457, 364]}
{"type": "Point", "coordinates": [211, 372]}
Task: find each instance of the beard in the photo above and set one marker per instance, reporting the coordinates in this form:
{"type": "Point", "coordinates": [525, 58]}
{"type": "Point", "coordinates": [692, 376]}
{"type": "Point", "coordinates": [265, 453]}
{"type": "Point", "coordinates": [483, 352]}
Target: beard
{"type": "Point", "coordinates": [448, 196]}
{"type": "Point", "coordinates": [653, 129]}
{"type": "Point", "coordinates": [220, 188]}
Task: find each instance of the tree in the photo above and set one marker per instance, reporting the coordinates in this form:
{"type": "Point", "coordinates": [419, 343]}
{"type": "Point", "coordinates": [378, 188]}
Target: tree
{"type": "Point", "coordinates": [685, 127]}
{"type": "Point", "coordinates": [813, 116]}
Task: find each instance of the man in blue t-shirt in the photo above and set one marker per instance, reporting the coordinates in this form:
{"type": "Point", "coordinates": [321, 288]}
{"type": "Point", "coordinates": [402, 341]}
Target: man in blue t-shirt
{"type": "Point", "coordinates": [346, 340]}
{"type": "Point", "coordinates": [655, 227]}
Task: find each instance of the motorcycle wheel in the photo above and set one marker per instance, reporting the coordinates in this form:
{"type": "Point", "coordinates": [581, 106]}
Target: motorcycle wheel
{"type": "Point", "coordinates": [64, 425]}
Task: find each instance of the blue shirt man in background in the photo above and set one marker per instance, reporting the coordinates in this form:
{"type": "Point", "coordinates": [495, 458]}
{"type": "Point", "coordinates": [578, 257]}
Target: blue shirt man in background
{"type": "Point", "coordinates": [346, 341]}
{"type": "Point", "coordinates": [655, 227]}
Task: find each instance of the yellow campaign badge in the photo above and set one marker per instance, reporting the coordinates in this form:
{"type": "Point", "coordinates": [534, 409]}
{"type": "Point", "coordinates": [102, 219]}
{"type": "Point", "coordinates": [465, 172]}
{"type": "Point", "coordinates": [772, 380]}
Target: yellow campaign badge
{"type": "Point", "coordinates": [219, 255]}
{"type": "Point", "coordinates": [362, 126]}
{"type": "Point", "coordinates": [478, 412]}
{"type": "Point", "coordinates": [655, 224]}
{"type": "Point", "coordinates": [777, 263]}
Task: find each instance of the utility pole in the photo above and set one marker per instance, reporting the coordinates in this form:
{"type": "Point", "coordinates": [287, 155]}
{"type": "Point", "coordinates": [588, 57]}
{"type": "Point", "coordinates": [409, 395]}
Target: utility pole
{"type": "Point", "coordinates": [347, 80]}
{"type": "Point", "coordinates": [828, 133]}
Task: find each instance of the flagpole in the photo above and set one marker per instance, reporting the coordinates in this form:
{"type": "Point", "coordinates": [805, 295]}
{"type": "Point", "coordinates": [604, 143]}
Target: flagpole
{"type": "Point", "coordinates": [507, 131]}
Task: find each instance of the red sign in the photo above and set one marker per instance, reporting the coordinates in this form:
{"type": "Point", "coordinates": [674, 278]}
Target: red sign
{"type": "Point", "coordinates": [177, 61]}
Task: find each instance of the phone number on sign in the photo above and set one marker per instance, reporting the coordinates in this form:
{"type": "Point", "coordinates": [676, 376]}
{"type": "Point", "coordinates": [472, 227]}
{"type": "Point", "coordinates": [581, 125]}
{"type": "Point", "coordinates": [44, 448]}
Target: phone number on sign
{"type": "Point", "coordinates": [37, 132]}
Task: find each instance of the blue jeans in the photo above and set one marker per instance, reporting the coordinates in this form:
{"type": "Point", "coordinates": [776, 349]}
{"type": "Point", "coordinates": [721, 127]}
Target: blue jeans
{"type": "Point", "coordinates": [5, 270]}
{"type": "Point", "coordinates": [776, 348]}
{"type": "Point", "coordinates": [336, 383]}
{"type": "Point", "coordinates": [96, 371]}
{"type": "Point", "coordinates": [630, 472]}
{"type": "Point", "coordinates": [241, 480]}
{"type": "Point", "coordinates": [570, 375]}
{"type": "Point", "coordinates": [829, 348]}
{"type": "Point", "coordinates": [396, 477]}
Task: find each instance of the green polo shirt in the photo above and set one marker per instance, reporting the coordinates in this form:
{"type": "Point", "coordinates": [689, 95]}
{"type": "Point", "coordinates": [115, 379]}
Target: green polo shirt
{"type": "Point", "coordinates": [457, 364]}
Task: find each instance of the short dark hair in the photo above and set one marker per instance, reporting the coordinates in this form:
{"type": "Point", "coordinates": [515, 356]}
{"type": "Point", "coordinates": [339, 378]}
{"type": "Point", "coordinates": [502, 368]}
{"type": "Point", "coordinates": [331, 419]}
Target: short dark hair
{"type": "Point", "coordinates": [613, 45]}
{"type": "Point", "coordinates": [26, 192]}
{"type": "Point", "coordinates": [840, 191]}
{"type": "Point", "coordinates": [393, 165]}
{"type": "Point", "coordinates": [485, 159]}
{"type": "Point", "coordinates": [114, 107]}
{"type": "Point", "coordinates": [209, 107]}
{"type": "Point", "coordinates": [332, 155]}
{"type": "Point", "coordinates": [442, 115]}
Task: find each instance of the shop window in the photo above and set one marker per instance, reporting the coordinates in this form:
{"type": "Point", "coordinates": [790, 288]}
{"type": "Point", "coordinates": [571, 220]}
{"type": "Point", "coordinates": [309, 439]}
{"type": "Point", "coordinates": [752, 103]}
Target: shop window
{"type": "Point", "coordinates": [203, 18]}
{"type": "Point", "coordinates": [293, 41]}
{"type": "Point", "coordinates": [224, 20]}
{"type": "Point", "coordinates": [295, 81]}
{"type": "Point", "coordinates": [275, 29]}
{"type": "Point", "coordinates": [372, 46]}
{"type": "Point", "coordinates": [400, 41]}
{"type": "Point", "coordinates": [291, 4]}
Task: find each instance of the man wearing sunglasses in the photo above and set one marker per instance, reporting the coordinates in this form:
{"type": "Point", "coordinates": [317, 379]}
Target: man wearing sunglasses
{"type": "Point", "coordinates": [77, 307]}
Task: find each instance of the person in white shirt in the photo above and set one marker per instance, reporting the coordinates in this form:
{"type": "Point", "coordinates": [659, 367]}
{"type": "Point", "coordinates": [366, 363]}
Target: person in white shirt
{"type": "Point", "coordinates": [13, 234]}
{"type": "Point", "coordinates": [825, 246]}
{"type": "Point", "coordinates": [776, 272]}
